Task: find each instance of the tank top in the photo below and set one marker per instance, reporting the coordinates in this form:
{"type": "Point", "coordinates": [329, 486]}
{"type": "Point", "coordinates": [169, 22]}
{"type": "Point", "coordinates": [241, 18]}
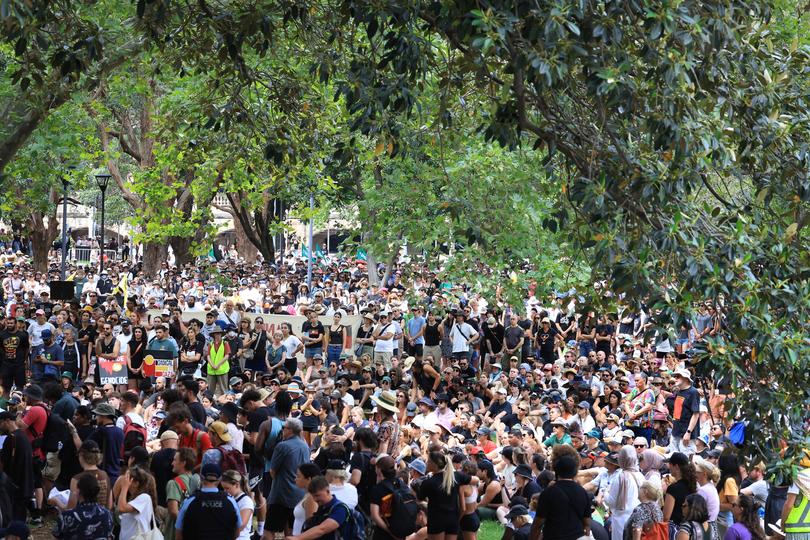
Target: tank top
{"type": "Point", "coordinates": [300, 516]}
{"type": "Point", "coordinates": [432, 337]}
{"type": "Point", "coordinates": [473, 496]}
{"type": "Point", "coordinates": [107, 348]}
{"type": "Point", "coordinates": [336, 336]}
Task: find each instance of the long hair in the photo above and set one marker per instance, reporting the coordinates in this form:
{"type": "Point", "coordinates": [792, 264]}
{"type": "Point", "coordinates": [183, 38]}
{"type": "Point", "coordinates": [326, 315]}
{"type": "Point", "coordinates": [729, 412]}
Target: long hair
{"type": "Point", "coordinates": [729, 467]}
{"type": "Point", "coordinates": [146, 483]}
{"type": "Point", "coordinates": [750, 517]}
{"type": "Point", "coordinates": [689, 476]}
{"type": "Point", "coordinates": [446, 466]}
{"type": "Point", "coordinates": [698, 511]}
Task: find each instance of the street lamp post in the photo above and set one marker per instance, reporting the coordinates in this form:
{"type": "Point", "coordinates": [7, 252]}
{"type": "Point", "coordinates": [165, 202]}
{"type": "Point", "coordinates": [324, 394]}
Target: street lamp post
{"type": "Point", "coordinates": [311, 253]}
{"type": "Point", "coordinates": [65, 184]}
{"type": "Point", "coordinates": [102, 180]}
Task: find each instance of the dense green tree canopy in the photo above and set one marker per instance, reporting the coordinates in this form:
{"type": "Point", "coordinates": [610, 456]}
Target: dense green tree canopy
{"type": "Point", "coordinates": [660, 146]}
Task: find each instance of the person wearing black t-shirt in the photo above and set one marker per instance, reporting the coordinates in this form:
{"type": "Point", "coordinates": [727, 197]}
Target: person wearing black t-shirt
{"type": "Point", "coordinates": [441, 492]}
{"type": "Point", "coordinates": [312, 334]}
{"type": "Point", "coordinates": [14, 353]}
{"type": "Point", "coordinates": [381, 498]}
{"type": "Point", "coordinates": [547, 341]}
{"type": "Point", "coordinates": [604, 335]}
{"type": "Point", "coordinates": [563, 508]}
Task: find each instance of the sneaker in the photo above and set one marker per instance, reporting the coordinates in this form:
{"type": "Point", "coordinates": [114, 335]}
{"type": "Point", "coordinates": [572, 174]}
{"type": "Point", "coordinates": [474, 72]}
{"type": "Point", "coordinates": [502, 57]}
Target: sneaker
{"type": "Point", "coordinates": [35, 521]}
{"type": "Point", "coordinates": [255, 536]}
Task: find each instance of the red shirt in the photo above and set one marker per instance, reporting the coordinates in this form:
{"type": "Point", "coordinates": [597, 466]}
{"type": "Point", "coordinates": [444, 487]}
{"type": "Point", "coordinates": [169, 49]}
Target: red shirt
{"type": "Point", "coordinates": [35, 418]}
{"type": "Point", "coordinates": [190, 441]}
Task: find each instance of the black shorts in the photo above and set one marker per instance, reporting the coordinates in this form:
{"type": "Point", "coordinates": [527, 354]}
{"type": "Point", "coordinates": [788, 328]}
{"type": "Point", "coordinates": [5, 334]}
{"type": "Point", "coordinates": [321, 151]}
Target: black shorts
{"type": "Point", "coordinates": [37, 464]}
{"type": "Point", "coordinates": [470, 522]}
{"type": "Point", "coordinates": [279, 518]}
{"type": "Point", "coordinates": [13, 376]}
{"type": "Point", "coordinates": [416, 350]}
{"type": "Point", "coordinates": [438, 524]}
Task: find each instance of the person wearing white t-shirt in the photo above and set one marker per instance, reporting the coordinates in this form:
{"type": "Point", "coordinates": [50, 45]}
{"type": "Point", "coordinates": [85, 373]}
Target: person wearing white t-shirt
{"type": "Point", "coordinates": [383, 336]}
{"type": "Point", "coordinates": [292, 344]}
{"type": "Point", "coordinates": [463, 335]}
{"type": "Point", "coordinates": [136, 514]}
{"type": "Point", "coordinates": [233, 483]}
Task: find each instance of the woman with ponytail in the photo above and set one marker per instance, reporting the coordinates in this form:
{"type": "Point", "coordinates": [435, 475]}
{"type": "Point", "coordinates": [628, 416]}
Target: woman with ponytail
{"type": "Point", "coordinates": [441, 490]}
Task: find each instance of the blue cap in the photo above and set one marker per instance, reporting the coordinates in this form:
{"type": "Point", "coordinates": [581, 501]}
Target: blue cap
{"type": "Point", "coordinates": [419, 466]}
{"type": "Point", "coordinates": [584, 405]}
{"type": "Point", "coordinates": [572, 343]}
{"type": "Point", "coordinates": [594, 434]}
{"type": "Point", "coordinates": [410, 409]}
{"type": "Point", "coordinates": [221, 325]}
{"type": "Point", "coordinates": [46, 334]}
{"type": "Point", "coordinates": [427, 401]}
{"type": "Point", "coordinates": [210, 471]}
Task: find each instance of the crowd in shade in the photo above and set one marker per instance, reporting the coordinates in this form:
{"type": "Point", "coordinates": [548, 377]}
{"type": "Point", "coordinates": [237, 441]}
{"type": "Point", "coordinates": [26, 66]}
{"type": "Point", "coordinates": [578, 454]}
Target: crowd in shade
{"type": "Point", "coordinates": [230, 400]}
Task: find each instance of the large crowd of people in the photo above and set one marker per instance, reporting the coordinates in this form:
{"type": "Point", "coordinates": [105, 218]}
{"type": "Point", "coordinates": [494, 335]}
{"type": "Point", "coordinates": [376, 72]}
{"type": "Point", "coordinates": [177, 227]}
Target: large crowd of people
{"type": "Point", "coordinates": [438, 410]}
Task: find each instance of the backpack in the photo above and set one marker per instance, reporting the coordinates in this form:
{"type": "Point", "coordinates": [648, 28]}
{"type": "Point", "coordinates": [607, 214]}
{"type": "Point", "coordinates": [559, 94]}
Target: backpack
{"type": "Point", "coordinates": [354, 528]}
{"type": "Point", "coordinates": [272, 440]}
{"type": "Point", "coordinates": [404, 509]}
{"type": "Point", "coordinates": [232, 460]}
{"type": "Point", "coordinates": [55, 436]}
{"type": "Point", "coordinates": [134, 435]}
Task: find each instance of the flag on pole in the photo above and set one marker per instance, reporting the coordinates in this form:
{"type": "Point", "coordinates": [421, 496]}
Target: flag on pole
{"type": "Point", "coordinates": [123, 287]}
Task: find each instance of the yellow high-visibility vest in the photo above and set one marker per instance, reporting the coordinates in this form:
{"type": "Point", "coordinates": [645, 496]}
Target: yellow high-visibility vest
{"type": "Point", "coordinates": [215, 356]}
{"type": "Point", "coordinates": [798, 520]}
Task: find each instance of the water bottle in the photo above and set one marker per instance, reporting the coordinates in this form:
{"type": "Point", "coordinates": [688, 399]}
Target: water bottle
{"type": "Point", "coordinates": [761, 513]}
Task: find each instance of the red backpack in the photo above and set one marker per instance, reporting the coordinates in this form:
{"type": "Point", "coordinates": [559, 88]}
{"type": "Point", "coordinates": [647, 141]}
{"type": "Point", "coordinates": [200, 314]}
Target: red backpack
{"type": "Point", "coordinates": [134, 435]}
{"type": "Point", "coordinates": [232, 460]}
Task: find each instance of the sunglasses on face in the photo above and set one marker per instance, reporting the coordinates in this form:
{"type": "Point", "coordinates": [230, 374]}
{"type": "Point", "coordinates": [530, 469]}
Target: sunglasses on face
{"type": "Point", "coordinates": [640, 445]}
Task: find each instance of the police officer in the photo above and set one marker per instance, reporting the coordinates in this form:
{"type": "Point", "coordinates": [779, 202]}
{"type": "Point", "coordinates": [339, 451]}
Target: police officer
{"type": "Point", "coordinates": [209, 513]}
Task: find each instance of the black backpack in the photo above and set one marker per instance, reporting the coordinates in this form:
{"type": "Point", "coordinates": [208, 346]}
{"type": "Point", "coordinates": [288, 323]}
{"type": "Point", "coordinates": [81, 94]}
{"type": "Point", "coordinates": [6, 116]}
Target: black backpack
{"type": "Point", "coordinates": [55, 436]}
{"type": "Point", "coordinates": [404, 509]}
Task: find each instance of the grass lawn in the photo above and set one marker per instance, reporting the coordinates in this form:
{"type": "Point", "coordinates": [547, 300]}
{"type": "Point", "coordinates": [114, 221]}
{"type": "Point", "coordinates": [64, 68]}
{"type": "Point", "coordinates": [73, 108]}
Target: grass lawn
{"type": "Point", "coordinates": [490, 530]}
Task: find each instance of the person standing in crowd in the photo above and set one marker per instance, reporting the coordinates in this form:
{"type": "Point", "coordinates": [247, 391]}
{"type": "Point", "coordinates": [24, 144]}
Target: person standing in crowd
{"type": "Point", "coordinates": [87, 520]}
{"type": "Point", "coordinates": [218, 355]}
{"type": "Point", "coordinates": [563, 509]}
{"type": "Point", "coordinates": [13, 356]}
{"type": "Point", "coordinates": [16, 460]}
{"type": "Point", "coordinates": [234, 484]}
{"type": "Point", "coordinates": [288, 456]}
{"type": "Point", "coordinates": [110, 439]}
{"type": "Point", "coordinates": [695, 525]}
{"type": "Point", "coordinates": [623, 496]}
{"type": "Point", "coordinates": [184, 483]}
{"type": "Point", "coordinates": [746, 524]}
{"type": "Point", "coordinates": [686, 414]}
{"type": "Point", "coordinates": [137, 502]}
{"type": "Point", "coordinates": [441, 490]}
{"type": "Point", "coordinates": [209, 514]}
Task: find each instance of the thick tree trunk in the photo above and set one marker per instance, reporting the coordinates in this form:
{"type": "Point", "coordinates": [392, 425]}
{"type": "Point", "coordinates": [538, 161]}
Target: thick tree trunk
{"type": "Point", "coordinates": [40, 244]}
{"type": "Point", "coordinates": [153, 255]}
{"type": "Point", "coordinates": [181, 247]}
{"type": "Point", "coordinates": [244, 247]}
